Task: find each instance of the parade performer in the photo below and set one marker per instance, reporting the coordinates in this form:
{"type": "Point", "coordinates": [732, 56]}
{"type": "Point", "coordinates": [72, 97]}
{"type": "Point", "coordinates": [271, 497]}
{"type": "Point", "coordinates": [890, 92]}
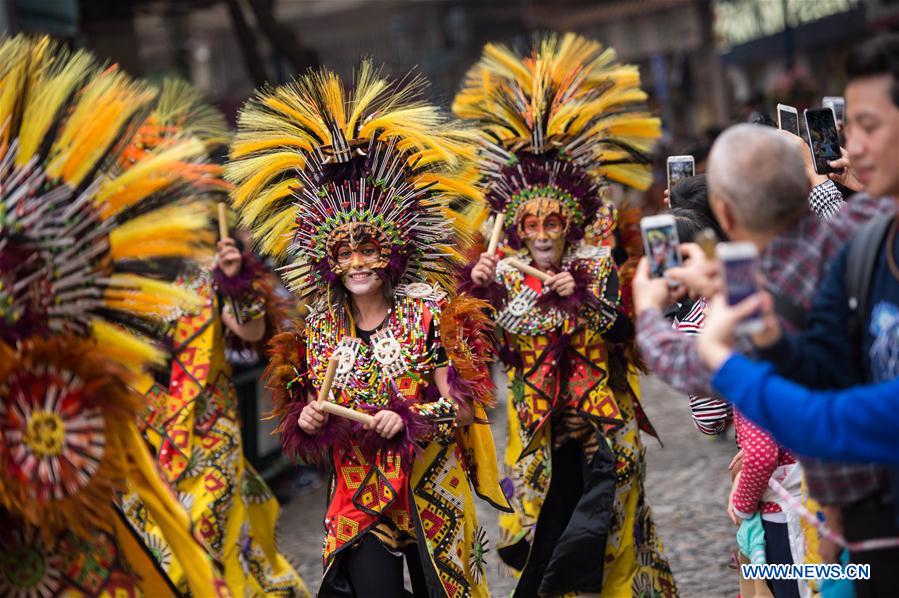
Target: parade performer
{"type": "Point", "coordinates": [191, 422]}
{"type": "Point", "coordinates": [558, 123]}
{"type": "Point", "coordinates": [360, 189]}
{"type": "Point", "coordinates": [78, 320]}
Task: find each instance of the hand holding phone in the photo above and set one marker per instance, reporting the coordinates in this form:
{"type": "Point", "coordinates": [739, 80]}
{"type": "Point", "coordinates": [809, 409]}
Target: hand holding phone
{"type": "Point", "coordinates": [740, 265]}
{"type": "Point", "coordinates": [660, 244]}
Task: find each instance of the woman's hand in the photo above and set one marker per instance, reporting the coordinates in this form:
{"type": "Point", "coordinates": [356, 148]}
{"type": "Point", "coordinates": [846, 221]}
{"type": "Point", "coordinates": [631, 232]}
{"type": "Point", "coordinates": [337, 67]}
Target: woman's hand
{"type": "Point", "coordinates": [312, 419]}
{"type": "Point", "coordinates": [386, 424]}
{"type": "Point", "coordinates": [228, 257]}
{"type": "Point", "coordinates": [562, 283]}
{"type": "Point", "coordinates": [485, 270]}
{"type": "Point", "coordinates": [730, 500]}
{"type": "Point", "coordinates": [650, 293]}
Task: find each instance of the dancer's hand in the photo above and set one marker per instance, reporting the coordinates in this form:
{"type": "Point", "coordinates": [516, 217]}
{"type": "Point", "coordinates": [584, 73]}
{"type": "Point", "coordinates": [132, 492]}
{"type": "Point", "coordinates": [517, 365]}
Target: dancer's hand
{"type": "Point", "coordinates": [562, 283]}
{"type": "Point", "coordinates": [312, 419]}
{"type": "Point", "coordinates": [386, 423]}
{"type": "Point", "coordinates": [228, 257]}
{"type": "Point", "coordinates": [485, 270]}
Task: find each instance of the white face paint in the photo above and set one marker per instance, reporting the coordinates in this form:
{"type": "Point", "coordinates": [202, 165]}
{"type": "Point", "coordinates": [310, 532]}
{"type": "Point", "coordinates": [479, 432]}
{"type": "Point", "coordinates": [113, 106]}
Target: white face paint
{"type": "Point", "coordinates": [546, 252]}
{"type": "Point", "coordinates": [362, 281]}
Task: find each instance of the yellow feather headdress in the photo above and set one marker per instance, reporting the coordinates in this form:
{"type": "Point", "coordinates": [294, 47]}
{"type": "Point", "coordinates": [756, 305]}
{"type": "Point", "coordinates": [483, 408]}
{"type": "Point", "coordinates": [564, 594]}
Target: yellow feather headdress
{"type": "Point", "coordinates": [85, 203]}
{"type": "Point", "coordinates": [313, 158]}
{"type": "Point", "coordinates": [560, 120]}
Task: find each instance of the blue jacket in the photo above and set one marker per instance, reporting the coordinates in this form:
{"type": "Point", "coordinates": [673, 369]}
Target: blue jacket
{"type": "Point", "coordinates": [855, 424]}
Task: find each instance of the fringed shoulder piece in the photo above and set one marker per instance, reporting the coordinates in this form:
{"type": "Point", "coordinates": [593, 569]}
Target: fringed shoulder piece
{"type": "Point", "coordinates": [465, 330]}
{"type": "Point", "coordinates": [287, 377]}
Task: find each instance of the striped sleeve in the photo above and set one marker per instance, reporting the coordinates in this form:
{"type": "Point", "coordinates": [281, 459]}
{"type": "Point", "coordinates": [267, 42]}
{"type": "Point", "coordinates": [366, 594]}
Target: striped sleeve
{"type": "Point", "coordinates": [710, 415]}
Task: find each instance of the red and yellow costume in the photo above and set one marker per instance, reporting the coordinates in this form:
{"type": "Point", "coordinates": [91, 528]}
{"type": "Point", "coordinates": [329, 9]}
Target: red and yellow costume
{"type": "Point", "coordinates": [315, 166]}
{"type": "Point", "coordinates": [558, 124]}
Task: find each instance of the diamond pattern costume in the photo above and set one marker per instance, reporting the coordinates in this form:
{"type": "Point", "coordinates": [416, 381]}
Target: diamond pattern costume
{"type": "Point", "coordinates": [317, 167]}
{"type": "Point", "coordinates": [558, 123]}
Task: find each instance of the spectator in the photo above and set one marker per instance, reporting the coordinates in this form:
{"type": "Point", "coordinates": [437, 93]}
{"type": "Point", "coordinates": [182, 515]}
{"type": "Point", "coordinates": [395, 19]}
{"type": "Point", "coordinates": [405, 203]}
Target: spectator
{"type": "Point", "coordinates": [868, 352]}
{"type": "Point", "coordinates": [856, 424]}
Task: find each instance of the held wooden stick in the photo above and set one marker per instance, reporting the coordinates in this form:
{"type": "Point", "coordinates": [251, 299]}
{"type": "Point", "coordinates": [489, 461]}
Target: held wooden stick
{"type": "Point", "coordinates": [495, 234]}
{"type": "Point", "coordinates": [526, 269]}
{"type": "Point", "coordinates": [223, 234]}
{"type": "Point", "coordinates": [223, 221]}
{"type": "Point", "coordinates": [325, 390]}
{"type": "Point", "coordinates": [335, 409]}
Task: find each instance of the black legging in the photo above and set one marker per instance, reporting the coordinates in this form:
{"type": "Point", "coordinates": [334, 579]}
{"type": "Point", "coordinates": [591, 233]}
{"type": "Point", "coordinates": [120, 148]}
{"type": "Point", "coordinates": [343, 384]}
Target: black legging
{"type": "Point", "coordinates": [375, 571]}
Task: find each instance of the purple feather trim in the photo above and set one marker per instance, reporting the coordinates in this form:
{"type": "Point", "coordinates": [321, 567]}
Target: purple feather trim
{"type": "Point", "coordinates": [572, 303]}
{"type": "Point", "coordinates": [494, 293]}
{"type": "Point", "coordinates": [416, 429]}
{"type": "Point", "coordinates": [241, 285]}
{"type": "Point", "coordinates": [510, 356]}
{"type": "Point", "coordinates": [312, 448]}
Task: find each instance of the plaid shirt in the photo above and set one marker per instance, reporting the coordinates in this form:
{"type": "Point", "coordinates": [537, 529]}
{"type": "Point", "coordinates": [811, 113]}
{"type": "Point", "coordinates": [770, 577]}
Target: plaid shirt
{"type": "Point", "coordinates": [793, 264]}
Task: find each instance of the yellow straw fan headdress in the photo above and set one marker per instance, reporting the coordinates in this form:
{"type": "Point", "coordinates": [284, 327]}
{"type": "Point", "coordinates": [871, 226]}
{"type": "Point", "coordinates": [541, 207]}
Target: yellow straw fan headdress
{"type": "Point", "coordinates": [315, 164]}
{"type": "Point", "coordinates": [81, 211]}
{"type": "Point", "coordinates": [558, 122]}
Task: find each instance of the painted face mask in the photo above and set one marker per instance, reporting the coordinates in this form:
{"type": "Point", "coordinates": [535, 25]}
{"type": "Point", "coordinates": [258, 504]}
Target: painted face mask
{"type": "Point", "coordinates": [357, 245]}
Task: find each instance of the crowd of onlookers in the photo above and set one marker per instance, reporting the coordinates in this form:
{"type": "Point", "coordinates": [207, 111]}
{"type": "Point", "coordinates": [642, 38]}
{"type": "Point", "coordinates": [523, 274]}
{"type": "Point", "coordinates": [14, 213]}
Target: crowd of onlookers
{"type": "Point", "coordinates": [813, 394]}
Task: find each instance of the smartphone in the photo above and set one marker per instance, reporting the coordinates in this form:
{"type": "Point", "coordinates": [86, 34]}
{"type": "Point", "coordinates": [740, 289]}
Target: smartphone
{"type": "Point", "coordinates": [823, 139]}
{"type": "Point", "coordinates": [660, 243]}
{"type": "Point", "coordinates": [838, 105]}
{"type": "Point", "coordinates": [788, 119]}
{"type": "Point", "coordinates": [679, 167]}
{"type": "Point", "coordinates": [740, 264]}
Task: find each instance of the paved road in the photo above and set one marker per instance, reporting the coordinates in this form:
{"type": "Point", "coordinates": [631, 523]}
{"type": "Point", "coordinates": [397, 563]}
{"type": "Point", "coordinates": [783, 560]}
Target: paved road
{"type": "Point", "coordinates": [687, 485]}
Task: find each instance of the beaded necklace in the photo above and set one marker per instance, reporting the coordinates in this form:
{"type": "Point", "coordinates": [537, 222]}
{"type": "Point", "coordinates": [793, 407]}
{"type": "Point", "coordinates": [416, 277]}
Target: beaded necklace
{"type": "Point", "coordinates": [522, 316]}
{"type": "Point", "coordinates": [404, 354]}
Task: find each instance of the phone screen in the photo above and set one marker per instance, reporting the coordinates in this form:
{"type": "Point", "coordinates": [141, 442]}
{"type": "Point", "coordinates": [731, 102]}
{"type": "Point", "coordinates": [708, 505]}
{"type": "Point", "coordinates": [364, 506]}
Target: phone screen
{"type": "Point", "coordinates": [661, 249]}
{"type": "Point", "coordinates": [740, 281]}
{"type": "Point", "coordinates": [789, 121]}
{"type": "Point", "coordinates": [822, 132]}
{"type": "Point", "coordinates": [740, 278]}
{"type": "Point", "coordinates": [678, 170]}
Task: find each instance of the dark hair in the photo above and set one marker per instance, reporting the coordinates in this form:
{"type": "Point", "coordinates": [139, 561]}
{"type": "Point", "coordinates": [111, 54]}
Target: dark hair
{"type": "Point", "coordinates": [692, 194]}
{"type": "Point", "coordinates": [877, 56]}
{"type": "Point", "coordinates": [760, 118]}
{"type": "Point", "coordinates": [688, 223]}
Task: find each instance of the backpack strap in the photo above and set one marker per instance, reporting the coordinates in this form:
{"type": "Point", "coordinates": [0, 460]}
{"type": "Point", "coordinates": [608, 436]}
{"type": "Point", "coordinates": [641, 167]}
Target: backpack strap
{"type": "Point", "coordinates": [864, 248]}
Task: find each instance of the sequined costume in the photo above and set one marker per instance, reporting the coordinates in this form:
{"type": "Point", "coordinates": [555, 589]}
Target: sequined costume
{"type": "Point", "coordinates": [317, 167]}
{"type": "Point", "coordinates": [559, 124]}
{"type": "Point", "coordinates": [78, 321]}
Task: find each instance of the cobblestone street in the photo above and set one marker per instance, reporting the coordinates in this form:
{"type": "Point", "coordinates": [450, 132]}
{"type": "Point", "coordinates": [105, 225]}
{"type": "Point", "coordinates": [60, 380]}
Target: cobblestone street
{"type": "Point", "coordinates": [687, 485]}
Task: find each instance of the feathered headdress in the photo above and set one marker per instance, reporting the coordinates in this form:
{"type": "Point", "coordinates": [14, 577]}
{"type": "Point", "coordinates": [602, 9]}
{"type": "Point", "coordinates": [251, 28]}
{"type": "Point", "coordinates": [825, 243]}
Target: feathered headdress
{"type": "Point", "coordinates": [558, 123]}
{"type": "Point", "coordinates": [314, 163]}
{"type": "Point", "coordinates": [87, 208]}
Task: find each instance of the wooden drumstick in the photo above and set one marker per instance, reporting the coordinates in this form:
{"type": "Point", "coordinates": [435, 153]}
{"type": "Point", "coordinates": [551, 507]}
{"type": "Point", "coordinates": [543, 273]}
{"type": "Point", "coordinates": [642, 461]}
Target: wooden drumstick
{"type": "Point", "coordinates": [223, 221]}
{"type": "Point", "coordinates": [223, 234]}
{"type": "Point", "coordinates": [496, 232]}
{"type": "Point", "coordinates": [335, 409]}
{"type": "Point", "coordinates": [526, 269]}
{"type": "Point", "coordinates": [329, 378]}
